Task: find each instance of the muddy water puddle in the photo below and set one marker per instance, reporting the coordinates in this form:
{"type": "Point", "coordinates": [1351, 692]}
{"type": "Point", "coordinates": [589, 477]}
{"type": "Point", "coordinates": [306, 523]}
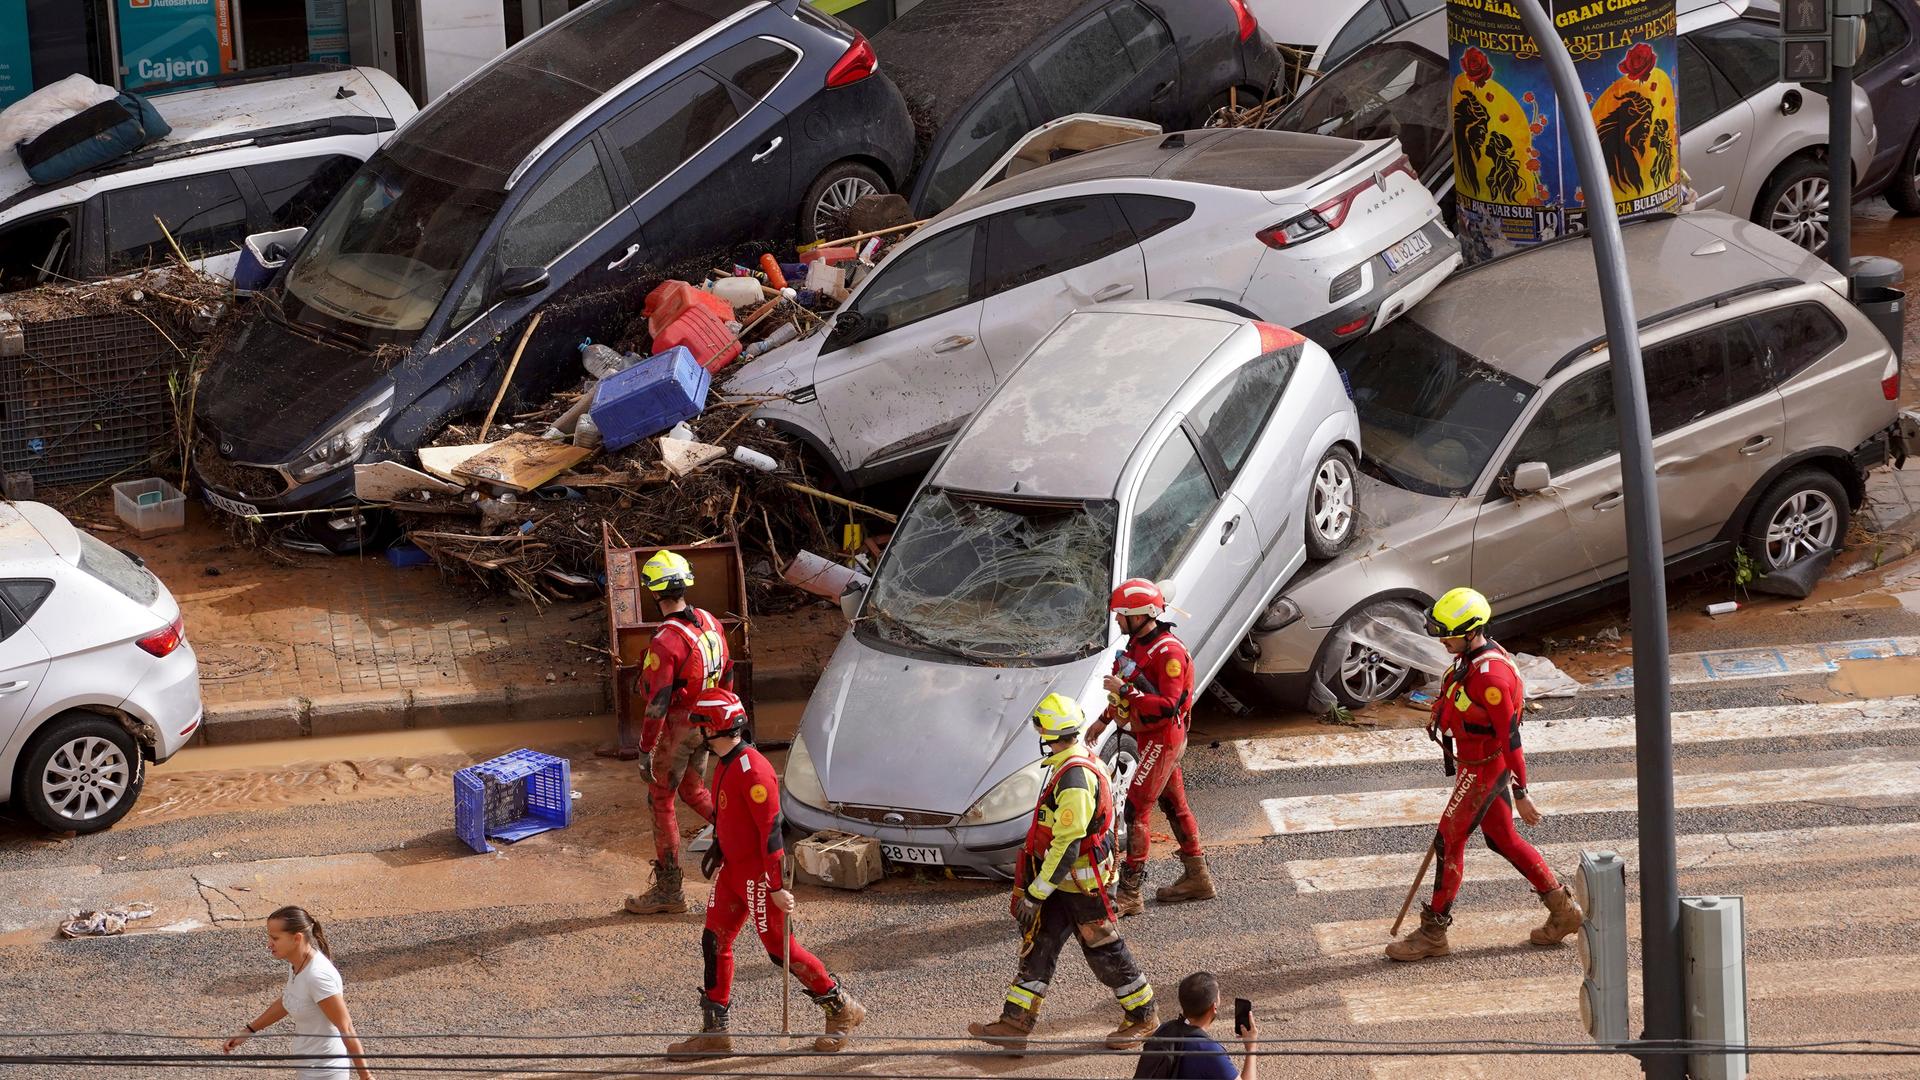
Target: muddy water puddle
{"type": "Point", "coordinates": [1893, 676]}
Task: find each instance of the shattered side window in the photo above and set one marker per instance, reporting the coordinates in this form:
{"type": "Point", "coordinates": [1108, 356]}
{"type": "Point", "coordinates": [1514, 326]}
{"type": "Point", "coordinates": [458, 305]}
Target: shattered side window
{"type": "Point", "coordinates": [996, 580]}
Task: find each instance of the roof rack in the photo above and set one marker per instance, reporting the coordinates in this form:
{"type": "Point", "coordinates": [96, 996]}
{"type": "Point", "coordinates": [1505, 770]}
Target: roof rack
{"type": "Point", "coordinates": [248, 75]}
{"type": "Point", "coordinates": [1719, 299]}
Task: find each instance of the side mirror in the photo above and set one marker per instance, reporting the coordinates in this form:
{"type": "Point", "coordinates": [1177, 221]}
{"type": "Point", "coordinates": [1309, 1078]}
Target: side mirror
{"type": "Point", "coordinates": [1531, 477]}
{"type": "Point", "coordinates": [851, 600]}
{"type": "Point", "coordinates": [1790, 103]}
{"type": "Point", "coordinates": [518, 281]}
{"type": "Point", "coordinates": [848, 324]}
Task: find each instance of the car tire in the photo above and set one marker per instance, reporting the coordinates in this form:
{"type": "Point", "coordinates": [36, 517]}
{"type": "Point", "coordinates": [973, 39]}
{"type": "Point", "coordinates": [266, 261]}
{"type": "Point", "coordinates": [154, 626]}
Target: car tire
{"type": "Point", "coordinates": [1332, 512]}
{"type": "Point", "coordinates": [823, 213]}
{"type": "Point", "coordinates": [1121, 756]}
{"type": "Point", "coordinates": [1356, 675]}
{"type": "Point", "coordinates": [1786, 206]}
{"type": "Point", "coordinates": [1903, 191]}
{"type": "Point", "coordinates": [81, 773]}
{"type": "Point", "coordinates": [1803, 513]}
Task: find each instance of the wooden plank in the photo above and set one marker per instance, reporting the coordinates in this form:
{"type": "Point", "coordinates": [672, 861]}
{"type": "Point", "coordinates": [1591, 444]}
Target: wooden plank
{"type": "Point", "coordinates": [385, 481]}
{"type": "Point", "coordinates": [442, 460]}
{"type": "Point", "coordinates": [681, 456]}
{"type": "Point", "coordinates": [522, 462]}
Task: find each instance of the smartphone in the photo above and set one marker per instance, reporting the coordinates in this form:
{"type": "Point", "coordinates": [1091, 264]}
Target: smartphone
{"type": "Point", "coordinates": [1242, 1015]}
{"type": "Point", "coordinates": [1125, 663]}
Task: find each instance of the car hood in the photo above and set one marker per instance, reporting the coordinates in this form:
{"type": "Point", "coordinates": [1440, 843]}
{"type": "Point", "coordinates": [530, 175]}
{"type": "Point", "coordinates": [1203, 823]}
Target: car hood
{"type": "Point", "coordinates": [912, 734]}
{"type": "Point", "coordinates": [270, 392]}
{"type": "Point", "coordinates": [1395, 548]}
{"type": "Point", "coordinates": [780, 371]}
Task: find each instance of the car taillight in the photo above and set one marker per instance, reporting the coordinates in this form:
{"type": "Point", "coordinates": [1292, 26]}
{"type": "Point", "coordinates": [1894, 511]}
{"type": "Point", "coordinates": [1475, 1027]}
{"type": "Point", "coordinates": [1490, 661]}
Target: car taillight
{"type": "Point", "coordinates": [1329, 215]}
{"type": "Point", "coordinates": [166, 639]}
{"type": "Point", "coordinates": [1890, 379]}
{"type": "Point", "coordinates": [855, 64]}
{"type": "Point", "coordinates": [1249, 25]}
{"type": "Point", "coordinates": [1274, 338]}
{"type": "Point", "coordinates": [1404, 165]}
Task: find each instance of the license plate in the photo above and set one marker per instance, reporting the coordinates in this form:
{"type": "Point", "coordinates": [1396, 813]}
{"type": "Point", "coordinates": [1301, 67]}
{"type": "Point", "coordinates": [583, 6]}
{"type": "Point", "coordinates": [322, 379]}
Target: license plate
{"type": "Point", "coordinates": [231, 506]}
{"type": "Point", "coordinates": [1407, 252]}
{"type": "Point", "coordinates": [912, 856]}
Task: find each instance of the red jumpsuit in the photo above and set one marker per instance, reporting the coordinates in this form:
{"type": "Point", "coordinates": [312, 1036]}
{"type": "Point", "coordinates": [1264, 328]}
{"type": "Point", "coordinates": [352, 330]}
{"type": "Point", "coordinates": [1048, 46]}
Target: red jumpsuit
{"type": "Point", "coordinates": [688, 654]}
{"type": "Point", "coordinates": [1157, 706]}
{"type": "Point", "coordinates": [747, 829]}
{"type": "Point", "coordinates": [1479, 705]}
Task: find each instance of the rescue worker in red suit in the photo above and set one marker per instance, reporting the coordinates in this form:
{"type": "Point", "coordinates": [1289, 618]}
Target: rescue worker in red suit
{"type": "Point", "coordinates": [748, 852]}
{"type": "Point", "coordinates": [1060, 889]}
{"type": "Point", "coordinates": [687, 655]}
{"type": "Point", "coordinates": [1150, 695]}
{"type": "Point", "coordinates": [1479, 707]}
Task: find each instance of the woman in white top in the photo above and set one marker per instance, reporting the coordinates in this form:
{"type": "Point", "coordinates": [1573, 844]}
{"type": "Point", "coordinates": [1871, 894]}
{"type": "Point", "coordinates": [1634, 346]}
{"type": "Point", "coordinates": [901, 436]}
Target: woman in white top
{"type": "Point", "coordinates": [322, 1031]}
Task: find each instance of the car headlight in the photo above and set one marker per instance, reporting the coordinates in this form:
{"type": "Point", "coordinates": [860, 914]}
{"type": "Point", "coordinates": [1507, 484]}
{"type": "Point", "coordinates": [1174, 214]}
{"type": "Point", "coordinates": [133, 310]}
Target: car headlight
{"type": "Point", "coordinates": [344, 441]}
{"type": "Point", "coordinates": [1010, 798]}
{"type": "Point", "coordinates": [1279, 615]}
{"type": "Point", "coordinates": [803, 784]}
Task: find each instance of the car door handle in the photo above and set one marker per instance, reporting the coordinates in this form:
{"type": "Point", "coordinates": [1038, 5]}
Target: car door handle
{"type": "Point", "coordinates": [1112, 292]}
{"type": "Point", "coordinates": [1609, 502]}
{"type": "Point", "coordinates": [1910, 78]}
{"type": "Point", "coordinates": [770, 148]}
{"type": "Point", "coordinates": [1757, 444]}
{"type": "Point", "coordinates": [1227, 527]}
{"type": "Point", "coordinates": [1725, 142]}
{"type": "Point", "coordinates": [632, 250]}
{"type": "Point", "coordinates": [1163, 89]}
{"type": "Point", "coordinates": [958, 341]}
{"type": "Point", "coordinates": [13, 687]}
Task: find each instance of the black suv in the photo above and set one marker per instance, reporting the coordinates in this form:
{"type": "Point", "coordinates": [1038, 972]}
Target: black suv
{"type": "Point", "coordinates": [568, 174]}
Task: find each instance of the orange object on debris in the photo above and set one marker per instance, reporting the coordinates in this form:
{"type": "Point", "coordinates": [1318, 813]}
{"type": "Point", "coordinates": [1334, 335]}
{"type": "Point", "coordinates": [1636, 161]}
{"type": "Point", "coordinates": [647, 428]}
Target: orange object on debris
{"type": "Point", "coordinates": [771, 267]}
{"type": "Point", "coordinates": [830, 255]}
{"type": "Point", "coordinates": [704, 334]}
{"type": "Point", "coordinates": [670, 299]}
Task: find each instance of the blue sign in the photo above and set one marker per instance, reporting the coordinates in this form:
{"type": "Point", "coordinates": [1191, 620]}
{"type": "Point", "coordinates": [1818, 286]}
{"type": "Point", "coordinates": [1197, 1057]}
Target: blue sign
{"type": "Point", "coordinates": [169, 40]}
{"type": "Point", "coordinates": [327, 30]}
{"type": "Point", "coordinates": [16, 60]}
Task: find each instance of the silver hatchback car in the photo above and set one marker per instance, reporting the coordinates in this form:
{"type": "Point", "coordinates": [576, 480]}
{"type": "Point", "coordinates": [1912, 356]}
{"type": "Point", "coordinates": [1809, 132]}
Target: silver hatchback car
{"type": "Point", "coordinates": [1492, 455]}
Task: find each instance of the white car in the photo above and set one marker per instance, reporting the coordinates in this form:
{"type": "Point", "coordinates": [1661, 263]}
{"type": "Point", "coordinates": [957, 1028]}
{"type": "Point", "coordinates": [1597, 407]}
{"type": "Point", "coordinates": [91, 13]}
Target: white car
{"type": "Point", "coordinates": [96, 676]}
{"type": "Point", "coordinates": [1155, 440]}
{"type": "Point", "coordinates": [1332, 237]}
{"type": "Point", "coordinates": [1322, 33]}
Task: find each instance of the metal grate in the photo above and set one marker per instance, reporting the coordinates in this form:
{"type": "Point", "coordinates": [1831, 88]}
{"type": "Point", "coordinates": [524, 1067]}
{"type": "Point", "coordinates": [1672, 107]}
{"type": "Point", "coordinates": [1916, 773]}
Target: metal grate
{"type": "Point", "coordinates": [88, 399]}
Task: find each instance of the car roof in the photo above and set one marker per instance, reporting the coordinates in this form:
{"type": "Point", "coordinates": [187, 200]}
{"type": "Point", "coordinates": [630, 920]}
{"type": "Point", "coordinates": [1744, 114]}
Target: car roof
{"type": "Point", "coordinates": [943, 52]}
{"type": "Point", "coordinates": [480, 133]}
{"type": "Point", "coordinates": [1066, 421]}
{"type": "Point", "coordinates": [231, 112]}
{"type": "Point", "coordinates": [31, 530]}
{"type": "Point", "coordinates": [1252, 159]}
{"type": "Point", "coordinates": [1524, 313]}
{"type": "Point", "coordinates": [1313, 24]}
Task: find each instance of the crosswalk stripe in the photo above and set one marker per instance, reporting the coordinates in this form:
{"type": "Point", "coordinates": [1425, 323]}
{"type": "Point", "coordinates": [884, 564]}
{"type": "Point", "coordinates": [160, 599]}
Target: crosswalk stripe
{"type": "Point", "coordinates": [1422, 806]}
{"type": "Point", "coordinates": [1769, 662]}
{"type": "Point", "coordinates": [1820, 844]}
{"type": "Point", "coordinates": [1838, 909]}
{"type": "Point", "coordinates": [1779, 979]}
{"type": "Point", "coordinates": [1586, 733]}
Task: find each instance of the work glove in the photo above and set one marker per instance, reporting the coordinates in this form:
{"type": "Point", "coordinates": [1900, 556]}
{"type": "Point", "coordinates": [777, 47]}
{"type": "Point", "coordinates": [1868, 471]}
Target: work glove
{"type": "Point", "coordinates": [710, 861]}
{"type": "Point", "coordinates": [1026, 913]}
{"type": "Point", "coordinates": [646, 768]}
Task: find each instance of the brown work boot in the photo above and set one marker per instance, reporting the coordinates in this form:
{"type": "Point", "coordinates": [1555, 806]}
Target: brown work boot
{"type": "Point", "coordinates": [617, 752]}
{"type": "Point", "coordinates": [1126, 896]}
{"type": "Point", "coordinates": [1010, 1032]}
{"type": "Point", "coordinates": [665, 898]}
{"type": "Point", "coordinates": [1134, 1027]}
{"type": "Point", "coordinates": [1563, 917]}
{"type": "Point", "coordinates": [1429, 940]}
{"type": "Point", "coordinates": [843, 1015]}
{"type": "Point", "coordinates": [1194, 882]}
{"type": "Point", "coordinates": [713, 1040]}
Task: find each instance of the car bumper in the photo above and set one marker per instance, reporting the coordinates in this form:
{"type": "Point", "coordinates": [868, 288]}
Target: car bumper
{"type": "Point", "coordinates": [167, 702]}
{"type": "Point", "coordinates": [1392, 293]}
{"type": "Point", "coordinates": [985, 850]}
{"type": "Point", "coordinates": [312, 532]}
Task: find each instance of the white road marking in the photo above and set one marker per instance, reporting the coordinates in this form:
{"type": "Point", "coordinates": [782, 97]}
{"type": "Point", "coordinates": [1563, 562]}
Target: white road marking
{"type": "Point", "coordinates": [1772, 662]}
{"type": "Point", "coordinates": [1422, 806]}
{"type": "Point", "coordinates": [1586, 733]}
{"type": "Point", "coordinates": [1822, 844]}
{"type": "Point", "coordinates": [1409, 1002]}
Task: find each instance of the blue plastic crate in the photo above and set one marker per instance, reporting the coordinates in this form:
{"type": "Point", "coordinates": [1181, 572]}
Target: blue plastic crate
{"type": "Point", "coordinates": [547, 782]}
{"type": "Point", "coordinates": [649, 397]}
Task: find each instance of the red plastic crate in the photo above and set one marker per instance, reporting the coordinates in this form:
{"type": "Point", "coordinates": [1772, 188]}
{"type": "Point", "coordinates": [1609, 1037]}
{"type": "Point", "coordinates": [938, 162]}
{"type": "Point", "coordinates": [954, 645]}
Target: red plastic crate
{"type": "Point", "coordinates": [703, 334]}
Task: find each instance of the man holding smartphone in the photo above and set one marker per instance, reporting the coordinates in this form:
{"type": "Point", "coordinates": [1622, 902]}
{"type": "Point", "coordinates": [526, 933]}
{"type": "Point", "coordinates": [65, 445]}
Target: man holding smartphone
{"type": "Point", "coordinates": [1180, 1047]}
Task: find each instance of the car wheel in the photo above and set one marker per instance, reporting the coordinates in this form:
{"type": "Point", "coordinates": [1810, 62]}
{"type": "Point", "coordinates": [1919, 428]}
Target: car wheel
{"type": "Point", "coordinates": [80, 774]}
{"type": "Point", "coordinates": [1122, 758]}
{"type": "Point", "coordinates": [1794, 204]}
{"type": "Point", "coordinates": [1803, 514]}
{"type": "Point", "coordinates": [1332, 514]}
{"type": "Point", "coordinates": [1903, 191]}
{"type": "Point", "coordinates": [1357, 675]}
{"type": "Point", "coordinates": [823, 213]}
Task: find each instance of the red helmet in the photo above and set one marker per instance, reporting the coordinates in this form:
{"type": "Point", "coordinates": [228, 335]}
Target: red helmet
{"type": "Point", "coordinates": [1137, 596]}
{"type": "Point", "coordinates": [718, 712]}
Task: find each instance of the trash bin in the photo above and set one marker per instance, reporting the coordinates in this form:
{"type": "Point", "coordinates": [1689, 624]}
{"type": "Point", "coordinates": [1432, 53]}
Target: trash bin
{"type": "Point", "coordinates": [1874, 281]}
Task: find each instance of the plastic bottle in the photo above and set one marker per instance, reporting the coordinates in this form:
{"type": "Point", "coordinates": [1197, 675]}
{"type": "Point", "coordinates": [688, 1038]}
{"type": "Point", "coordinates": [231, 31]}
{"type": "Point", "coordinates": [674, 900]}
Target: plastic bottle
{"type": "Point", "coordinates": [771, 266]}
{"type": "Point", "coordinates": [602, 361]}
{"type": "Point", "coordinates": [782, 334]}
{"type": "Point", "coordinates": [754, 458]}
{"type": "Point", "coordinates": [586, 432]}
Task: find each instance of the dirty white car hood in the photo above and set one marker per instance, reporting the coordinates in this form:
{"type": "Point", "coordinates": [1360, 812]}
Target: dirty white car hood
{"type": "Point", "coordinates": [780, 371]}
{"type": "Point", "coordinates": [913, 734]}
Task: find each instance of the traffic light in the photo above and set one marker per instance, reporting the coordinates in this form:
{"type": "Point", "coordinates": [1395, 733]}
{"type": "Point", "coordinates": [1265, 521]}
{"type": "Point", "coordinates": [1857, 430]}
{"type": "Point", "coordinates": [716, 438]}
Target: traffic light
{"type": "Point", "coordinates": [1714, 931]}
{"type": "Point", "coordinates": [1601, 889]}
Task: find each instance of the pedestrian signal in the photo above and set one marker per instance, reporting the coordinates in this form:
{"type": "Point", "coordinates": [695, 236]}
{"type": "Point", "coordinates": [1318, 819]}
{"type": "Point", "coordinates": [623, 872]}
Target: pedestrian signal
{"type": "Point", "coordinates": [1601, 889]}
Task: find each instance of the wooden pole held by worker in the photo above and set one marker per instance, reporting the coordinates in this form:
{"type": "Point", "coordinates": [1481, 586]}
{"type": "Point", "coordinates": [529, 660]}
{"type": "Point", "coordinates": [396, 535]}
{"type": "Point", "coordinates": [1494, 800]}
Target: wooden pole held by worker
{"type": "Point", "coordinates": [1412, 890]}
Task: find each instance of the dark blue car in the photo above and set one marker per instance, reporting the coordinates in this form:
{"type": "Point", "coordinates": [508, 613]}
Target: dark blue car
{"type": "Point", "coordinates": [628, 141]}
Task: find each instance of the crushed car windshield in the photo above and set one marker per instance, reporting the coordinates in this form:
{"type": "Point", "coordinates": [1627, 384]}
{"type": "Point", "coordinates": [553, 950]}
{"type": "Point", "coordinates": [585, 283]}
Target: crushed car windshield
{"type": "Point", "coordinates": [1431, 414]}
{"type": "Point", "coordinates": [996, 580]}
{"type": "Point", "coordinates": [383, 256]}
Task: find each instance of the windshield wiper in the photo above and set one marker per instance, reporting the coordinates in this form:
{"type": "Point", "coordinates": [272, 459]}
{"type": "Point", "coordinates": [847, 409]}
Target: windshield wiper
{"type": "Point", "coordinates": [920, 637]}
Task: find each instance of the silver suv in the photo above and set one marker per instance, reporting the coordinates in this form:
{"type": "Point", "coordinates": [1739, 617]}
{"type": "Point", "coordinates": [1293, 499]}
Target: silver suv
{"type": "Point", "coordinates": [1492, 460]}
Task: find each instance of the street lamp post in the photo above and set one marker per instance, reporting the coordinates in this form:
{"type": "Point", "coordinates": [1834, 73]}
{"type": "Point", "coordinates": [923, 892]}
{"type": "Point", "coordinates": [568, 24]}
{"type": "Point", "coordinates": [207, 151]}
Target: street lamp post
{"type": "Point", "coordinates": [1665, 1015]}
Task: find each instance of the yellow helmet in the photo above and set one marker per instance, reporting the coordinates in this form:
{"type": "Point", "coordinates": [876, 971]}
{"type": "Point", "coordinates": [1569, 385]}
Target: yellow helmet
{"type": "Point", "coordinates": [1058, 717]}
{"type": "Point", "coordinates": [667, 570]}
{"type": "Point", "coordinates": [1459, 613]}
